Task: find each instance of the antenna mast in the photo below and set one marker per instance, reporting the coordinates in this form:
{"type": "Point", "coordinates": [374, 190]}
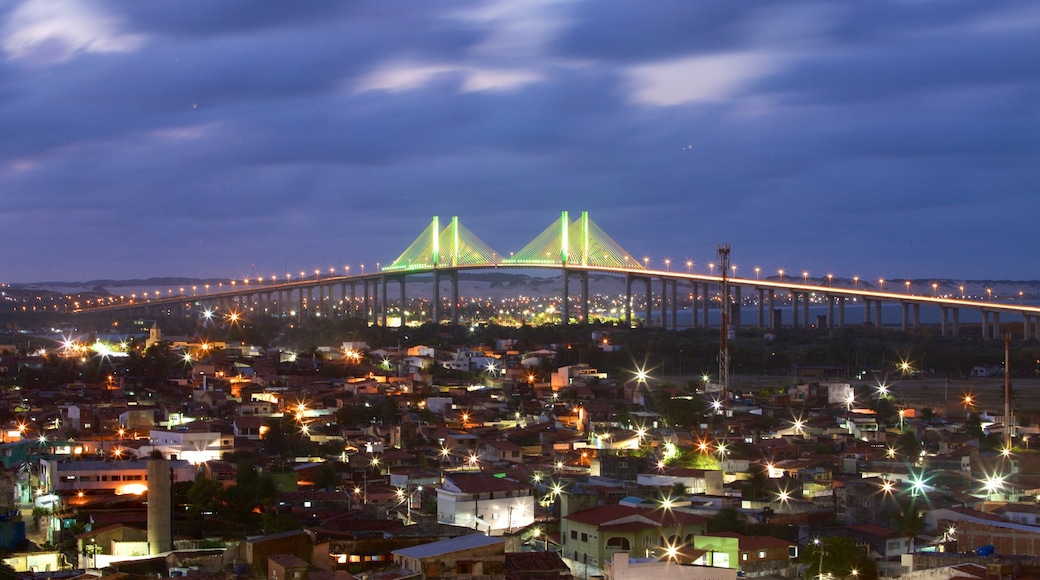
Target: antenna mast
{"type": "Point", "coordinates": [1007, 391]}
{"type": "Point", "coordinates": [723, 251]}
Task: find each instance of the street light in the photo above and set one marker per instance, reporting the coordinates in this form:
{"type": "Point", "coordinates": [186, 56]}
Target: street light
{"type": "Point", "coordinates": [935, 289]}
{"type": "Point", "coordinates": [881, 283]}
{"type": "Point", "coordinates": [757, 272]}
{"type": "Point", "coordinates": [907, 282]}
{"type": "Point", "coordinates": [667, 265]}
{"type": "Point", "coordinates": [711, 268]}
{"type": "Point", "coordinates": [855, 282]}
{"type": "Point", "coordinates": [830, 280]}
{"type": "Point", "coordinates": [689, 266]}
{"type": "Point", "coordinates": [781, 272]}
{"type": "Point", "coordinates": [805, 277]}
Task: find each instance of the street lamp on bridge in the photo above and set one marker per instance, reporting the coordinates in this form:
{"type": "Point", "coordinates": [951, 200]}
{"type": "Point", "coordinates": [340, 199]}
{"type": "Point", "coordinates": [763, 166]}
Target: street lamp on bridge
{"type": "Point", "coordinates": [757, 272]}
{"type": "Point", "coordinates": [881, 283]}
{"type": "Point", "coordinates": [805, 277]}
{"type": "Point", "coordinates": [855, 282]}
{"type": "Point", "coordinates": [781, 272]}
{"type": "Point", "coordinates": [689, 266]}
{"type": "Point", "coordinates": [668, 264]}
{"type": "Point", "coordinates": [907, 286]}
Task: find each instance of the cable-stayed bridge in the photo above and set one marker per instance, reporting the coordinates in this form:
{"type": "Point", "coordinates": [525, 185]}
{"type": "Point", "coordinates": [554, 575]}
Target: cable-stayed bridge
{"type": "Point", "coordinates": [575, 249]}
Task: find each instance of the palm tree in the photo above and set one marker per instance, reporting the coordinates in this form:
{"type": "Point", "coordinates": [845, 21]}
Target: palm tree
{"type": "Point", "coordinates": [910, 521]}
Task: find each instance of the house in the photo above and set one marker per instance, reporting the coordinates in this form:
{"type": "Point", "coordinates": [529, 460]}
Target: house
{"type": "Point", "coordinates": [287, 567]}
{"type": "Point", "coordinates": [885, 541]}
{"type": "Point", "coordinates": [536, 566]}
{"type": "Point", "coordinates": [699, 481]}
{"type": "Point", "coordinates": [195, 447]}
{"type": "Point", "coordinates": [498, 451]}
{"type": "Point", "coordinates": [251, 427]}
{"type": "Point", "coordinates": [621, 566]}
{"type": "Point", "coordinates": [462, 557]}
{"type": "Point", "coordinates": [592, 536]}
{"type": "Point", "coordinates": [751, 555]}
{"type": "Point", "coordinates": [484, 502]}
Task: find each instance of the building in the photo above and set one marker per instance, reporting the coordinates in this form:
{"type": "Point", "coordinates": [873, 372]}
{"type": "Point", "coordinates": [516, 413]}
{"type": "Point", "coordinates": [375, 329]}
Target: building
{"type": "Point", "coordinates": [118, 477]}
{"type": "Point", "coordinates": [592, 536]}
{"type": "Point", "coordinates": [462, 557]}
{"type": "Point", "coordinates": [622, 567]}
{"type": "Point", "coordinates": [751, 555]}
{"type": "Point", "coordinates": [192, 446]}
{"type": "Point", "coordinates": [484, 502]}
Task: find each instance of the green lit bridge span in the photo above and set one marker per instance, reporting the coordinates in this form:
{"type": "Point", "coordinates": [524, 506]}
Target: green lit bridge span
{"type": "Point", "coordinates": [575, 248]}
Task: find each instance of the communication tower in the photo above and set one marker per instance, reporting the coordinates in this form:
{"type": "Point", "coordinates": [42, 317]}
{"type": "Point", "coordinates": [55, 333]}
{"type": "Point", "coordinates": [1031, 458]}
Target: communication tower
{"type": "Point", "coordinates": [723, 251]}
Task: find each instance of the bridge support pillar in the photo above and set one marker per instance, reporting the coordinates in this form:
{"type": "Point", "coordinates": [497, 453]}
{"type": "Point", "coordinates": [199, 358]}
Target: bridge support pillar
{"type": "Point", "coordinates": [877, 314]}
{"type": "Point", "coordinates": [830, 311]}
{"type": "Point", "coordinates": [585, 315]}
{"type": "Point", "coordinates": [794, 309]}
{"type": "Point", "coordinates": [404, 303]}
{"type": "Point", "coordinates": [628, 301]}
{"type": "Point", "coordinates": [985, 324]}
{"type": "Point", "coordinates": [704, 304]}
{"type": "Point", "coordinates": [693, 304]}
{"type": "Point", "coordinates": [841, 312]}
{"type": "Point", "coordinates": [805, 311]}
{"type": "Point", "coordinates": [366, 303]}
{"type": "Point", "coordinates": [761, 307]}
{"type": "Point", "coordinates": [675, 305]}
{"type": "Point", "coordinates": [772, 310]}
{"type": "Point", "coordinates": [353, 299]}
{"type": "Point", "coordinates": [944, 313]}
{"type": "Point", "coordinates": [436, 297]}
{"type": "Point", "coordinates": [565, 302]}
{"type": "Point", "coordinates": [736, 311]}
{"type": "Point", "coordinates": [382, 281]}
{"type": "Point", "coordinates": [866, 313]}
{"type": "Point", "coordinates": [455, 298]}
{"type": "Point", "coordinates": [906, 316]}
{"type": "Point", "coordinates": [664, 303]}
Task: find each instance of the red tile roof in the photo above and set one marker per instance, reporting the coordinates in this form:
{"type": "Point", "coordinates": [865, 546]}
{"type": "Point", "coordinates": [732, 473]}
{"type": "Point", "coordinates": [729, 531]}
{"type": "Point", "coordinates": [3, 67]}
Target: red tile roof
{"type": "Point", "coordinates": [614, 514]}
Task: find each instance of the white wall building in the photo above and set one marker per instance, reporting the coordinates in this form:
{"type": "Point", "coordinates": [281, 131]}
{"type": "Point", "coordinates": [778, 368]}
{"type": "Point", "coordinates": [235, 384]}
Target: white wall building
{"type": "Point", "coordinates": [484, 502]}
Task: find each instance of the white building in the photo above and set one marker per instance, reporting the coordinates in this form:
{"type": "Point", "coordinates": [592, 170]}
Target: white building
{"type": "Point", "coordinates": [119, 477]}
{"type": "Point", "coordinates": [622, 567]}
{"type": "Point", "coordinates": [192, 446]}
{"type": "Point", "coordinates": [483, 502]}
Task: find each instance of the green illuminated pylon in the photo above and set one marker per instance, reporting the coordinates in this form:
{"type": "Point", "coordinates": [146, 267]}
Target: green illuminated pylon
{"type": "Point", "coordinates": [564, 243]}
{"type": "Point", "coordinates": [453, 246]}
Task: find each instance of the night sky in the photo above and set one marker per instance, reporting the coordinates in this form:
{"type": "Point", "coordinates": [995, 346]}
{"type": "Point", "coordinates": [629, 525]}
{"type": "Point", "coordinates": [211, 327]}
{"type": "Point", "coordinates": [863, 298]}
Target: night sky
{"type": "Point", "coordinates": [248, 137]}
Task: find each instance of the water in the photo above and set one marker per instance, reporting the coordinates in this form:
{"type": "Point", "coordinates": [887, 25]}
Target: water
{"type": "Point", "coordinates": [891, 315]}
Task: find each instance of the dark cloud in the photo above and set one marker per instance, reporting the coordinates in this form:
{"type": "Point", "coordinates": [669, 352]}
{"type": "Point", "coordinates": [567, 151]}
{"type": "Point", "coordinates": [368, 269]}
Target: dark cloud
{"type": "Point", "coordinates": [242, 136]}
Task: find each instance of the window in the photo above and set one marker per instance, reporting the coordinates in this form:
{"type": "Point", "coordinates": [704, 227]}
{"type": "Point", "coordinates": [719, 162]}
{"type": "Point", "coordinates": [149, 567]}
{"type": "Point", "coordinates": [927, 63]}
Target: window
{"type": "Point", "coordinates": [574, 535]}
{"type": "Point", "coordinates": [619, 544]}
{"type": "Point", "coordinates": [761, 553]}
{"type": "Point", "coordinates": [463, 568]}
{"type": "Point", "coordinates": [744, 556]}
{"type": "Point", "coordinates": [584, 537]}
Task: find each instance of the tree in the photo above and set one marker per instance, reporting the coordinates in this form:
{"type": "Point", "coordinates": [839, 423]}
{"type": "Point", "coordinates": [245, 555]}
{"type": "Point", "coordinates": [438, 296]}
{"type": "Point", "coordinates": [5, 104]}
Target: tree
{"type": "Point", "coordinates": [840, 556]}
{"type": "Point", "coordinates": [205, 497]}
{"type": "Point", "coordinates": [326, 477]}
{"type": "Point", "coordinates": [910, 520]}
{"type": "Point", "coordinates": [727, 520]}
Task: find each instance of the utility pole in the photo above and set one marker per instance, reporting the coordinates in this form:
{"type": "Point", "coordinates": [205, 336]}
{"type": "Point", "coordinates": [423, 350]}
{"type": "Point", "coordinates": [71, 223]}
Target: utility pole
{"type": "Point", "coordinates": [1007, 391]}
{"type": "Point", "coordinates": [723, 252]}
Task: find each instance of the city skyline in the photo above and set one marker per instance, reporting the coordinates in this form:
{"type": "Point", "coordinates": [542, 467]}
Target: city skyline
{"type": "Point", "coordinates": [893, 141]}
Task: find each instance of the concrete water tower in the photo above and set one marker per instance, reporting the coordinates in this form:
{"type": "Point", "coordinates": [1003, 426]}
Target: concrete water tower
{"type": "Point", "coordinates": [160, 506]}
